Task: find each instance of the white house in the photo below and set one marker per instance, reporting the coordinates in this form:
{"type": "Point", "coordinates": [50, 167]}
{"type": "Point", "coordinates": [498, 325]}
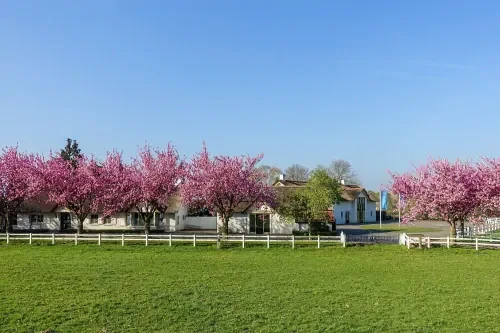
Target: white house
{"type": "Point", "coordinates": [43, 216]}
{"type": "Point", "coordinates": [356, 206]}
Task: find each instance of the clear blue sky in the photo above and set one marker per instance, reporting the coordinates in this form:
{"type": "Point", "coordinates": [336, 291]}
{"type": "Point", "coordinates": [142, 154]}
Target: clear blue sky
{"type": "Point", "coordinates": [383, 85]}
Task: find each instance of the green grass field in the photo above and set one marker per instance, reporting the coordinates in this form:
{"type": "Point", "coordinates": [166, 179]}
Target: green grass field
{"type": "Point", "coordinates": [396, 228]}
{"type": "Point", "coordinates": [87, 288]}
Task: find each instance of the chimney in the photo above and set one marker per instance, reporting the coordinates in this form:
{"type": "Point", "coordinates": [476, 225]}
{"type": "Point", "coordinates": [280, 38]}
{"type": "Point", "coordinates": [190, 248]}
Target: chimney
{"type": "Point", "coordinates": [342, 182]}
{"type": "Point", "coordinates": [282, 176]}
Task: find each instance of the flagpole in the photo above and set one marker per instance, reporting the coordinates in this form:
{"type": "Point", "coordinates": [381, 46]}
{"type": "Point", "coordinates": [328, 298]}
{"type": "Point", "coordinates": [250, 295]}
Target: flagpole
{"type": "Point", "coordinates": [399, 210]}
{"type": "Point", "coordinates": [380, 209]}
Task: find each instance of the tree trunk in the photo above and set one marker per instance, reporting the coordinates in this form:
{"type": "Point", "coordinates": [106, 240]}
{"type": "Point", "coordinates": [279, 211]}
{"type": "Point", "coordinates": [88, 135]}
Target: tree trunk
{"type": "Point", "coordinates": [310, 227]}
{"type": "Point", "coordinates": [11, 218]}
{"type": "Point", "coordinates": [453, 229]}
{"type": "Point", "coordinates": [147, 226]}
{"type": "Point", "coordinates": [225, 225]}
{"type": "Point", "coordinates": [8, 225]}
{"type": "Point", "coordinates": [462, 228]}
{"type": "Point", "coordinates": [79, 228]}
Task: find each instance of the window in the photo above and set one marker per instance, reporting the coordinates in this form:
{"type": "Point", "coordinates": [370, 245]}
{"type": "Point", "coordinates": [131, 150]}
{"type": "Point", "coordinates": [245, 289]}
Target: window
{"type": "Point", "coordinates": [341, 215]}
{"type": "Point", "coordinates": [13, 218]}
{"type": "Point", "coordinates": [36, 218]}
{"type": "Point", "coordinates": [94, 219]}
{"type": "Point", "coordinates": [361, 209]}
{"type": "Point", "coordinates": [137, 220]}
{"type": "Point", "coordinates": [158, 218]}
{"type": "Point", "coordinates": [371, 212]}
{"type": "Point", "coordinates": [260, 223]}
{"type": "Point", "coordinates": [107, 220]}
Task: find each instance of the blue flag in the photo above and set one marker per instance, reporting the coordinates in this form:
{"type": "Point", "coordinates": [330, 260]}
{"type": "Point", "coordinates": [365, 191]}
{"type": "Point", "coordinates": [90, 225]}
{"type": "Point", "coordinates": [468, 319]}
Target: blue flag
{"type": "Point", "coordinates": [383, 200]}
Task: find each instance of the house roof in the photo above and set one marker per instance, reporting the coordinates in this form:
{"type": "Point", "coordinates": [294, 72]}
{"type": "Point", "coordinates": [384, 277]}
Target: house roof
{"type": "Point", "coordinates": [42, 205]}
{"type": "Point", "coordinates": [281, 192]}
{"type": "Point", "coordinates": [287, 182]}
{"type": "Point", "coordinates": [351, 192]}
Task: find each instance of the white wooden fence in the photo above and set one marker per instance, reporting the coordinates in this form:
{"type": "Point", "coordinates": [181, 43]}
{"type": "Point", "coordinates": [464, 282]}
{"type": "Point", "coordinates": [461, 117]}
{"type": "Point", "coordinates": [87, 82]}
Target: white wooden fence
{"type": "Point", "coordinates": [428, 242]}
{"type": "Point", "coordinates": [193, 239]}
{"type": "Point", "coordinates": [489, 226]}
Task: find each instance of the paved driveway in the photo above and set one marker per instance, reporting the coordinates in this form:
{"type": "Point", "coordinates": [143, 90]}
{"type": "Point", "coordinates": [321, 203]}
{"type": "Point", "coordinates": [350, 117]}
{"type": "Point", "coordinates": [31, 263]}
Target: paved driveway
{"type": "Point", "coordinates": [356, 229]}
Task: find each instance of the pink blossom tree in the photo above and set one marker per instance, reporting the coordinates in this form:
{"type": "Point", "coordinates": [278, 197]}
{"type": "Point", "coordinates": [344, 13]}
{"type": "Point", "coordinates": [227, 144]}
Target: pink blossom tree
{"type": "Point", "coordinates": [489, 176]}
{"type": "Point", "coordinates": [17, 183]}
{"type": "Point", "coordinates": [115, 180]}
{"type": "Point", "coordinates": [71, 185]}
{"type": "Point", "coordinates": [441, 190]}
{"type": "Point", "coordinates": [222, 183]}
{"type": "Point", "coordinates": [146, 184]}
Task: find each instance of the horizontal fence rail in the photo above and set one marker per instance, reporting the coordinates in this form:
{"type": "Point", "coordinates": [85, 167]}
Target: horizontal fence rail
{"type": "Point", "coordinates": [169, 239]}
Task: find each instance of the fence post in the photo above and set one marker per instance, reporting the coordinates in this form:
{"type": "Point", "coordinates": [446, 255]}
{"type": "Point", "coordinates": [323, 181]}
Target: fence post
{"type": "Point", "coordinates": [76, 239]}
{"type": "Point", "coordinates": [448, 242]}
{"type": "Point", "coordinates": [123, 239]}
{"type": "Point", "coordinates": [147, 239]}
{"type": "Point", "coordinates": [268, 241]}
{"type": "Point", "coordinates": [293, 241]}
{"type": "Point", "coordinates": [194, 240]}
{"type": "Point", "coordinates": [30, 238]}
{"type": "Point", "coordinates": [318, 242]}
{"type": "Point", "coordinates": [243, 242]}
{"type": "Point", "coordinates": [477, 245]}
{"type": "Point", "coordinates": [428, 242]}
{"type": "Point", "coordinates": [408, 242]}
{"type": "Point", "coordinates": [170, 240]}
{"type": "Point", "coordinates": [343, 239]}
{"type": "Point", "coordinates": [99, 240]}
{"type": "Point", "coordinates": [218, 241]}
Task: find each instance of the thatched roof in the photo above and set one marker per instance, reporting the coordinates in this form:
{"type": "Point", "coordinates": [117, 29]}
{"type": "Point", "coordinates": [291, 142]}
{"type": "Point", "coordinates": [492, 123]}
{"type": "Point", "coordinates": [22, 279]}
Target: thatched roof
{"type": "Point", "coordinates": [351, 192]}
{"type": "Point", "coordinates": [42, 205]}
{"type": "Point", "coordinates": [348, 193]}
{"type": "Point", "coordinates": [287, 182]}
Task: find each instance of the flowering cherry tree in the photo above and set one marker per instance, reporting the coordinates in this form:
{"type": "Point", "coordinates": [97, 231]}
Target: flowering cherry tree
{"type": "Point", "coordinates": [222, 183]}
{"type": "Point", "coordinates": [72, 185]}
{"type": "Point", "coordinates": [441, 190]}
{"type": "Point", "coordinates": [17, 183]}
{"type": "Point", "coordinates": [489, 176]}
{"type": "Point", "coordinates": [146, 184]}
{"type": "Point", "coordinates": [115, 179]}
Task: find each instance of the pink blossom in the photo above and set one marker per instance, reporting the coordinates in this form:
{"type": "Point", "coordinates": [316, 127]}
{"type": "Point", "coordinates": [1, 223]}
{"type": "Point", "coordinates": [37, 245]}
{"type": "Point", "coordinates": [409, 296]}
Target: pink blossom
{"type": "Point", "coordinates": [146, 184]}
{"type": "Point", "coordinates": [18, 182]}
{"type": "Point", "coordinates": [223, 183]}
{"type": "Point", "coordinates": [441, 190]}
{"type": "Point", "coordinates": [71, 186]}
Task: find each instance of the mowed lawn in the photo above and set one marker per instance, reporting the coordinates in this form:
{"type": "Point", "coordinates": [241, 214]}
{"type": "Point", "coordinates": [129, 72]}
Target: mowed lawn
{"type": "Point", "coordinates": [87, 288]}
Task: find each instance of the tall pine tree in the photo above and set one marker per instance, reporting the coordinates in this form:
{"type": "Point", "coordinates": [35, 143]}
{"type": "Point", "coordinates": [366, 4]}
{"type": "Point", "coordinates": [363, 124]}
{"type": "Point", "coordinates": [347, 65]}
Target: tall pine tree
{"type": "Point", "coordinates": [71, 152]}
